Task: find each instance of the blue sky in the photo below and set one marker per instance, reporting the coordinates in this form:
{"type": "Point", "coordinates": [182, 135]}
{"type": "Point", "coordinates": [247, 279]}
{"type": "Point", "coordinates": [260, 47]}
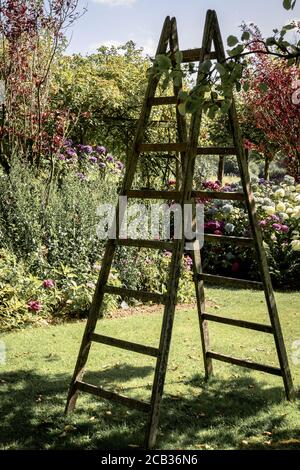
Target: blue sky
{"type": "Point", "coordinates": [116, 21]}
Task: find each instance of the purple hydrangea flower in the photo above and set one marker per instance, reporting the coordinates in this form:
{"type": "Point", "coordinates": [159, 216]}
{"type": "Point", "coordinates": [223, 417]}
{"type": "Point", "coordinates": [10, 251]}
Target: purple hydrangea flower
{"type": "Point", "coordinates": [80, 147]}
{"type": "Point", "coordinates": [285, 228]}
{"type": "Point", "coordinates": [102, 165]}
{"type": "Point", "coordinates": [81, 176]}
{"type": "Point", "coordinates": [71, 152]}
{"type": "Point", "coordinates": [68, 142]}
{"type": "Point", "coordinates": [120, 165]}
{"type": "Point", "coordinates": [93, 159]}
{"type": "Point", "coordinates": [100, 149]}
{"type": "Point", "coordinates": [109, 158]}
{"type": "Point", "coordinates": [61, 157]}
{"type": "Point", "coordinates": [87, 149]}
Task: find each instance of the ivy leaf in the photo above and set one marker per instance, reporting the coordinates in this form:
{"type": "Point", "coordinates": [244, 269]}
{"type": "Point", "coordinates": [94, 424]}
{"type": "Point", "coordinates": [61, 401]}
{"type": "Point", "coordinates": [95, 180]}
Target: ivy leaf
{"type": "Point", "coordinates": [263, 87]}
{"type": "Point", "coordinates": [238, 86]}
{"type": "Point", "coordinates": [245, 36]}
{"type": "Point", "coordinates": [246, 86]}
{"type": "Point", "coordinates": [237, 50]}
{"type": "Point", "coordinates": [206, 66]}
{"type": "Point", "coordinates": [178, 57]}
{"type": "Point", "coordinates": [271, 41]}
{"type": "Point", "coordinates": [221, 69]}
{"type": "Point", "coordinates": [232, 41]}
{"type": "Point", "coordinates": [287, 4]}
{"type": "Point", "coordinates": [163, 62]}
{"type": "Point", "coordinates": [182, 109]}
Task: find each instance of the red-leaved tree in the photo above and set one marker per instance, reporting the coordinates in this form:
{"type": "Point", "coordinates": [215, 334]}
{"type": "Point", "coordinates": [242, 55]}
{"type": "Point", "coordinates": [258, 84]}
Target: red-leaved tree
{"type": "Point", "coordinates": [31, 34]}
{"type": "Point", "coordinates": [273, 107]}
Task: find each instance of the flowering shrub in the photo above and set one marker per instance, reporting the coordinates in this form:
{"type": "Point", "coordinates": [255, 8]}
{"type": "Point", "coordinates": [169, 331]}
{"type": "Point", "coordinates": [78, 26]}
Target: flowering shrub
{"type": "Point", "coordinates": [88, 159]}
{"type": "Point", "coordinates": [27, 299]}
{"type": "Point", "coordinates": [278, 207]}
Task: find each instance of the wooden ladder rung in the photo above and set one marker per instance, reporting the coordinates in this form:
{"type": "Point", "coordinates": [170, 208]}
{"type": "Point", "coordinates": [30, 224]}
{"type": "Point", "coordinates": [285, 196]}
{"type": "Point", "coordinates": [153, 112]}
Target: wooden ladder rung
{"type": "Point", "coordinates": [129, 346]}
{"type": "Point", "coordinates": [229, 196]}
{"type": "Point", "coordinates": [239, 323]}
{"type": "Point", "coordinates": [173, 147]}
{"type": "Point", "coordinates": [152, 194]}
{"type": "Point", "coordinates": [193, 55]}
{"type": "Point", "coordinates": [216, 151]}
{"type": "Point", "coordinates": [160, 100]}
{"type": "Point", "coordinates": [100, 392]}
{"type": "Point", "coordinates": [243, 363]}
{"type": "Point", "coordinates": [229, 281]}
{"type": "Point", "coordinates": [136, 294]}
{"type": "Point", "coordinates": [244, 241]}
{"type": "Point", "coordinates": [155, 244]}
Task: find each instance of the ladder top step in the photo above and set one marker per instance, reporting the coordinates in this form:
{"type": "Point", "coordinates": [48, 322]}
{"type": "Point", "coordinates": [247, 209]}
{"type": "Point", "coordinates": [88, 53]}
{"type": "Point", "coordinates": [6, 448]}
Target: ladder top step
{"type": "Point", "coordinates": [224, 195]}
{"type": "Point", "coordinates": [193, 55]}
{"type": "Point", "coordinates": [160, 100]}
{"type": "Point", "coordinates": [216, 151]}
{"type": "Point", "coordinates": [152, 194]}
{"type": "Point", "coordinates": [173, 147]}
{"type": "Point", "coordinates": [244, 363]}
{"type": "Point", "coordinates": [135, 294]}
{"type": "Point", "coordinates": [100, 392]}
{"type": "Point", "coordinates": [155, 244]}
{"type": "Point", "coordinates": [128, 345]}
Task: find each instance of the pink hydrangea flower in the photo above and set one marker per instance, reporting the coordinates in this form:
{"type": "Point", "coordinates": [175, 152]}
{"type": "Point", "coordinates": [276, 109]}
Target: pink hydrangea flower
{"type": "Point", "coordinates": [34, 306]}
{"type": "Point", "coordinates": [48, 283]}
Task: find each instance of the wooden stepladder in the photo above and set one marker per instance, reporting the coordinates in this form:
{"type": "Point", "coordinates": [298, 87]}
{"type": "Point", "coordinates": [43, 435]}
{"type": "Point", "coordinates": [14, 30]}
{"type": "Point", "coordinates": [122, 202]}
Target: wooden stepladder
{"type": "Point", "coordinates": [187, 145]}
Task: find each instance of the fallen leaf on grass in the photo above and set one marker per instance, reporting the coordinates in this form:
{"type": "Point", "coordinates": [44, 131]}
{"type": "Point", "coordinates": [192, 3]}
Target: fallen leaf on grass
{"type": "Point", "coordinates": [244, 443]}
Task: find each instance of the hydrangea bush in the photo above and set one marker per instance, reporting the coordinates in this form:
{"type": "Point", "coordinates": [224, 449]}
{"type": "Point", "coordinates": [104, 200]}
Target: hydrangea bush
{"type": "Point", "coordinates": [278, 208]}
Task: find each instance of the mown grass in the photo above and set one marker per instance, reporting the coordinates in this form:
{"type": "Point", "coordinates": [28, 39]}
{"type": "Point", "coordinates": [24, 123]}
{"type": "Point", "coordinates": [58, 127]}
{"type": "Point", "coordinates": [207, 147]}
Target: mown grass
{"type": "Point", "coordinates": [238, 408]}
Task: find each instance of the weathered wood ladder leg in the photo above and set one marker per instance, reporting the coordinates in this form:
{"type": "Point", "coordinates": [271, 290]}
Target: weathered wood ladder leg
{"type": "Point", "coordinates": [111, 246]}
{"type": "Point", "coordinates": [256, 231]}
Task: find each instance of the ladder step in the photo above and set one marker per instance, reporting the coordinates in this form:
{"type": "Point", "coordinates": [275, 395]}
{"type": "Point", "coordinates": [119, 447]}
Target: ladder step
{"type": "Point", "coordinates": [244, 241]}
{"type": "Point", "coordinates": [100, 392]}
{"type": "Point", "coordinates": [152, 194]}
{"type": "Point", "coordinates": [136, 294]}
{"type": "Point", "coordinates": [193, 55]}
{"type": "Point", "coordinates": [243, 363]}
{"type": "Point", "coordinates": [230, 196]}
{"type": "Point", "coordinates": [229, 281]}
{"type": "Point", "coordinates": [155, 244]}
{"type": "Point", "coordinates": [119, 343]}
{"type": "Point", "coordinates": [173, 147]}
{"type": "Point", "coordinates": [216, 151]}
{"type": "Point", "coordinates": [239, 323]}
{"type": "Point", "coordinates": [163, 100]}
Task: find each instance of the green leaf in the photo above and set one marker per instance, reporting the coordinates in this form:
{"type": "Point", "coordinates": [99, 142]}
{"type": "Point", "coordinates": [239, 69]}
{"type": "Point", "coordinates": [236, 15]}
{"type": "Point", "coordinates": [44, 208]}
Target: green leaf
{"type": "Point", "coordinates": [237, 50]}
{"type": "Point", "coordinates": [192, 105]}
{"type": "Point", "coordinates": [238, 86]}
{"type": "Point", "coordinates": [163, 62]}
{"type": "Point", "coordinates": [206, 66]}
{"type": "Point", "coordinates": [287, 4]}
{"type": "Point", "coordinates": [178, 57]}
{"type": "Point", "coordinates": [246, 86]}
{"type": "Point", "coordinates": [263, 87]}
{"type": "Point", "coordinates": [232, 41]}
{"type": "Point", "coordinates": [221, 69]}
{"type": "Point", "coordinates": [182, 108]}
{"type": "Point", "coordinates": [271, 41]}
{"type": "Point", "coordinates": [245, 36]}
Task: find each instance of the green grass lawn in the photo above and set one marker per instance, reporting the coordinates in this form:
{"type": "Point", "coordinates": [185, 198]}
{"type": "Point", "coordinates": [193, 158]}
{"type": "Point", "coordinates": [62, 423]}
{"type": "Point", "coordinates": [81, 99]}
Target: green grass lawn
{"type": "Point", "coordinates": [238, 408]}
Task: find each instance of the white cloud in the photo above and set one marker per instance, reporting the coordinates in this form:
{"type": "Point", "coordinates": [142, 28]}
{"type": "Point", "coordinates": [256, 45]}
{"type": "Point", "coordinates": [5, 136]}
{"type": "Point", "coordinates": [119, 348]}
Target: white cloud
{"type": "Point", "coordinates": [116, 3]}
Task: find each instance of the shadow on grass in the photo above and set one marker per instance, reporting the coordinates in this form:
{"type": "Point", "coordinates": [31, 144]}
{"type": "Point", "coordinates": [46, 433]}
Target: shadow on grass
{"type": "Point", "coordinates": [221, 412]}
